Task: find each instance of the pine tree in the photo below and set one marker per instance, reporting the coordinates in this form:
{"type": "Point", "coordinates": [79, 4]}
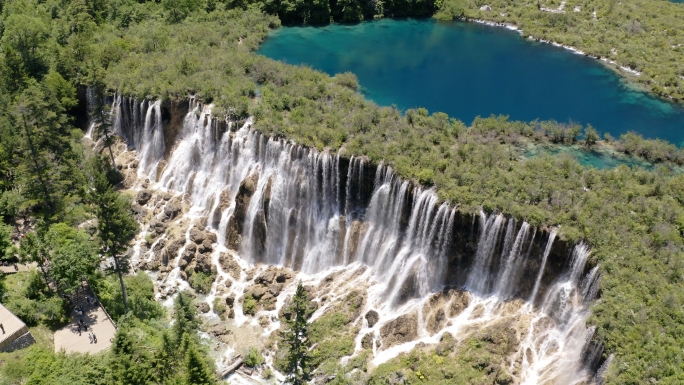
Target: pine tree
{"type": "Point", "coordinates": [296, 337]}
{"type": "Point", "coordinates": [116, 224]}
{"type": "Point", "coordinates": [197, 370]}
{"type": "Point", "coordinates": [186, 322]}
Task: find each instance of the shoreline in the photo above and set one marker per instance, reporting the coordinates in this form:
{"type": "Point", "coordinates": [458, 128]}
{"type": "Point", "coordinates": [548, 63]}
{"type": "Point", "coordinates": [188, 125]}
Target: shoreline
{"type": "Point", "coordinates": [572, 49]}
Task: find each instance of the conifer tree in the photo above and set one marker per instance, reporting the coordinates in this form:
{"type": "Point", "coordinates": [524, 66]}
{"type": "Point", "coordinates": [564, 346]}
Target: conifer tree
{"type": "Point", "coordinates": [116, 224]}
{"type": "Point", "coordinates": [197, 370]}
{"type": "Point", "coordinates": [296, 337]}
{"type": "Point", "coordinates": [186, 322]}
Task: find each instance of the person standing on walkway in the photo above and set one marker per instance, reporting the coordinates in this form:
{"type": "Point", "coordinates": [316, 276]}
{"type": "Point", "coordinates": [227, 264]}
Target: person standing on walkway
{"type": "Point", "coordinates": [90, 337]}
{"type": "Point", "coordinates": [94, 338]}
{"type": "Point", "coordinates": [3, 328]}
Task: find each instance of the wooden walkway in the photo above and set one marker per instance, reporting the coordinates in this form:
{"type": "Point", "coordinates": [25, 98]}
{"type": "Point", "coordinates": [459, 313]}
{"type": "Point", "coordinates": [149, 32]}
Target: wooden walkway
{"type": "Point", "coordinates": [96, 320]}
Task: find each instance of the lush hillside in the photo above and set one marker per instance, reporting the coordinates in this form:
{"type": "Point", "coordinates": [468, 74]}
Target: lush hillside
{"type": "Point", "coordinates": [632, 218]}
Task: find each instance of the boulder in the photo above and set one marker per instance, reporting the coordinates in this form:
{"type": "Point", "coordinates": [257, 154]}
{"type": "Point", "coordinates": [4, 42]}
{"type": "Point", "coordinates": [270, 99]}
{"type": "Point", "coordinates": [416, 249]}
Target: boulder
{"type": "Point", "coordinates": [485, 8]}
{"type": "Point", "coordinates": [202, 307]}
{"type": "Point", "coordinates": [205, 247]}
{"type": "Point", "coordinates": [256, 291]}
{"type": "Point", "coordinates": [172, 209]}
{"type": "Point", "coordinates": [230, 301]}
{"type": "Point", "coordinates": [143, 197]}
{"type": "Point", "coordinates": [267, 276]}
{"type": "Point", "coordinates": [275, 289]}
{"type": "Point", "coordinates": [372, 318]}
{"type": "Point", "coordinates": [283, 276]}
{"type": "Point", "coordinates": [157, 227]}
{"type": "Point", "coordinates": [236, 223]}
{"type": "Point", "coordinates": [203, 263]}
{"type": "Point", "coordinates": [229, 265]}
{"type": "Point", "coordinates": [400, 330]}
{"type": "Point", "coordinates": [197, 236]}
{"type": "Point", "coordinates": [367, 341]}
{"type": "Point", "coordinates": [218, 330]}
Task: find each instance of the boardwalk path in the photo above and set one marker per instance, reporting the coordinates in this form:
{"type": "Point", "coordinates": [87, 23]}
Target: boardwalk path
{"type": "Point", "coordinates": [97, 321]}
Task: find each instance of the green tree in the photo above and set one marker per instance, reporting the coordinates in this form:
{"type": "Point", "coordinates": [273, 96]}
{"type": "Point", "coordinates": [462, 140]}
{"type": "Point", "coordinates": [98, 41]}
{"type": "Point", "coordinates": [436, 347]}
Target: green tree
{"type": "Point", "coordinates": [72, 255]}
{"type": "Point", "coordinates": [197, 370]}
{"type": "Point", "coordinates": [116, 224]}
{"type": "Point", "coordinates": [130, 365]}
{"type": "Point", "coordinates": [296, 338]}
{"type": "Point", "coordinates": [185, 316]}
{"type": "Point", "coordinates": [46, 169]}
{"type": "Point", "coordinates": [590, 135]}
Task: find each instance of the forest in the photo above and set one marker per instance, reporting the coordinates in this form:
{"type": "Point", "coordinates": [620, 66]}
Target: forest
{"type": "Point", "coordinates": [52, 186]}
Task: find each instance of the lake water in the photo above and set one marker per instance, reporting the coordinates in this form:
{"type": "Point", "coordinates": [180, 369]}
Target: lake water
{"type": "Point", "coordinates": [468, 69]}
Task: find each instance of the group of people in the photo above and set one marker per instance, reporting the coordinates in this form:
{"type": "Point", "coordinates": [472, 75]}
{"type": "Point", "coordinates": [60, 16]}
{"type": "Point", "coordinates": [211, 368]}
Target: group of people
{"type": "Point", "coordinates": [91, 335]}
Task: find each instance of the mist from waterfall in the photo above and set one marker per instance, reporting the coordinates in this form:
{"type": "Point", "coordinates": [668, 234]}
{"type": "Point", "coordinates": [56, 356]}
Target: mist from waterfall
{"type": "Point", "coordinates": [311, 210]}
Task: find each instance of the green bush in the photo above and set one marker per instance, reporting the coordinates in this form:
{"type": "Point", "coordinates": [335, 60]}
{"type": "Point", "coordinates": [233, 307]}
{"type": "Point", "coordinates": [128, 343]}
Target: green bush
{"type": "Point", "coordinates": [254, 358]}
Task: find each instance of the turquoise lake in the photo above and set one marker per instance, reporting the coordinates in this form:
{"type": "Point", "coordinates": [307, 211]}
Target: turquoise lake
{"type": "Point", "coordinates": [468, 70]}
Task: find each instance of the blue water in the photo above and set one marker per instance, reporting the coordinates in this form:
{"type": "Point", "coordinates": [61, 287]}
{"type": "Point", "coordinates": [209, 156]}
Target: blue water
{"type": "Point", "coordinates": [467, 69]}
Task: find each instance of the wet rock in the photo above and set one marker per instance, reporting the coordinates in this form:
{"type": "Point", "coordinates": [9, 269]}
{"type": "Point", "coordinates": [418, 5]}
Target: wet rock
{"type": "Point", "coordinates": [268, 301]}
{"type": "Point", "coordinates": [267, 276]}
{"type": "Point", "coordinates": [157, 227]}
{"type": "Point", "coordinates": [400, 330]}
{"type": "Point", "coordinates": [223, 204]}
{"type": "Point", "coordinates": [436, 321]}
{"type": "Point", "coordinates": [236, 222]}
{"type": "Point", "coordinates": [203, 263]}
{"type": "Point", "coordinates": [283, 276]}
{"type": "Point", "coordinates": [139, 211]}
{"type": "Point", "coordinates": [256, 291]}
{"type": "Point", "coordinates": [205, 247]}
{"type": "Point", "coordinates": [230, 301]}
{"type": "Point", "coordinates": [202, 307]}
{"type": "Point", "coordinates": [459, 301]}
{"type": "Point", "coordinates": [143, 197]}
{"type": "Point", "coordinates": [218, 330]}
{"type": "Point", "coordinates": [229, 265]}
{"type": "Point", "coordinates": [367, 341]}
{"type": "Point", "coordinates": [372, 317]}
{"type": "Point", "coordinates": [188, 256]}
{"type": "Point", "coordinates": [197, 236]}
{"type": "Point", "coordinates": [172, 209]}
{"type": "Point", "coordinates": [275, 289]}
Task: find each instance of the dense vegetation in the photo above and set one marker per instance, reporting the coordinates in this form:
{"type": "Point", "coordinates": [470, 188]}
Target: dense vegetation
{"type": "Point", "coordinates": [632, 218]}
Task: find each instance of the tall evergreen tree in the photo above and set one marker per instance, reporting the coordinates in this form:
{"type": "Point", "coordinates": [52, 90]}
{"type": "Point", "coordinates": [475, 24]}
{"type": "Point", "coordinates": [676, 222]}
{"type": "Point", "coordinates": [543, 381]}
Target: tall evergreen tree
{"type": "Point", "coordinates": [186, 321]}
{"type": "Point", "coordinates": [296, 337]}
{"type": "Point", "coordinates": [116, 224]}
{"type": "Point", "coordinates": [196, 369]}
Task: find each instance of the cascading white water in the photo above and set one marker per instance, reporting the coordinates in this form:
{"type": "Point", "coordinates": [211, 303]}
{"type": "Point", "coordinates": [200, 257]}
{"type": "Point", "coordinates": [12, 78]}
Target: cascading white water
{"type": "Point", "coordinates": [312, 210]}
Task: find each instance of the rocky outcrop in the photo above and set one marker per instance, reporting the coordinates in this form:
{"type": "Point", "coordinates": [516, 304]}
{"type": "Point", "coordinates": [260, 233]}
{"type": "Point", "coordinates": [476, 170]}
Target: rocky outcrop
{"type": "Point", "coordinates": [400, 330]}
{"type": "Point", "coordinates": [236, 222]}
{"type": "Point", "coordinates": [442, 305]}
{"type": "Point", "coordinates": [230, 266]}
{"type": "Point", "coordinates": [372, 318]}
{"type": "Point", "coordinates": [143, 197]}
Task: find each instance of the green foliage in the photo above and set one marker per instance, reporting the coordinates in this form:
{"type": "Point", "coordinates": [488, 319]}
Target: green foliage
{"type": "Point", "coordinates": [186, 321]}
{"type": "Point", "coordinates": [140, 290]}
{"type": "Point", "coordinates": [254, 358]}
{"type": "Point", "coordinates": [201, 282]}
{"type": "Point", "coordinates": [29, 298]}
{"type": "Point", "coordinates": [295, 336]}
{"type": "Point", "coordinates": [197, 370]}
{"type": "Point", "coordinates": [72, 255]}
{"type": "Point", "coordinates": [249, 304]}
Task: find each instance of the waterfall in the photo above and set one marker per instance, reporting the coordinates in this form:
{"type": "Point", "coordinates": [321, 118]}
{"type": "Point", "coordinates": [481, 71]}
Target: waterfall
{"type": "Point", "coordinates": [275, 202]}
